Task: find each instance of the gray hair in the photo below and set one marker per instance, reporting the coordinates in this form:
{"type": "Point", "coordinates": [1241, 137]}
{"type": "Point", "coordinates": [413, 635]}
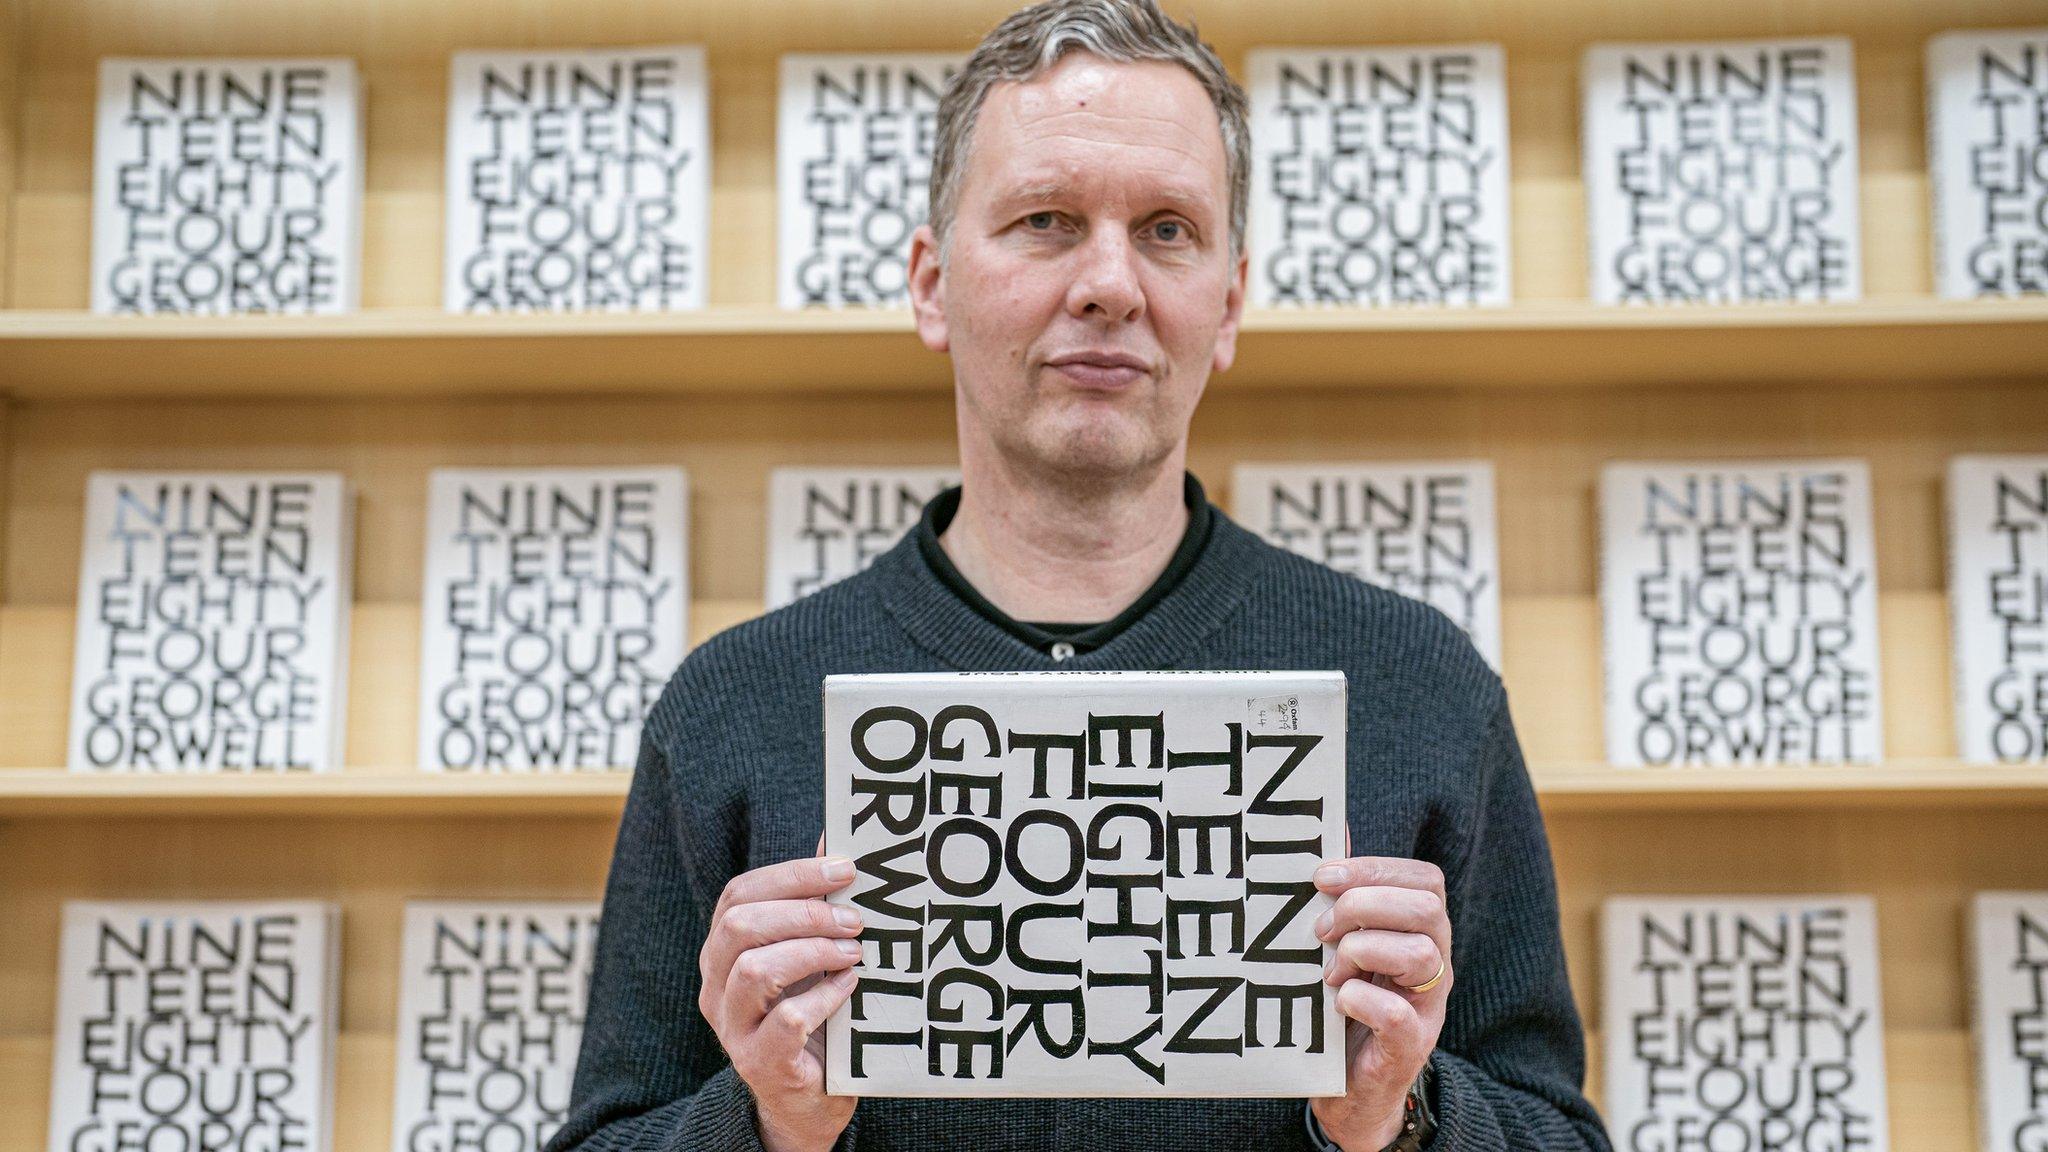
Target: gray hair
{"type": "Point", "coordinates": [1030, 42]}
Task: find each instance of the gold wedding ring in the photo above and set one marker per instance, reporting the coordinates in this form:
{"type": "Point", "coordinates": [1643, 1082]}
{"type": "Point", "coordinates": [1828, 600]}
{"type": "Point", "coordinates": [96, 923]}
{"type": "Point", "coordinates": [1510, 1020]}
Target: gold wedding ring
{"type": "Point", "coordinates": [1442, 966]}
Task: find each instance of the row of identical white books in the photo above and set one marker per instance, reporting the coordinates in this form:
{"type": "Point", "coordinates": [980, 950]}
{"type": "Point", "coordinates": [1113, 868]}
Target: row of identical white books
{"type": "Point", "coordinates": [1757, 1022]}
{"type": "Point", "coordinates": [578, 181]}
{"type": "Point", "coordinates": [1739, 602]}
{"type": "Point", "coordinates": [1730, 1022]}
{"type": "Point", "coordinates": [212, 1024]}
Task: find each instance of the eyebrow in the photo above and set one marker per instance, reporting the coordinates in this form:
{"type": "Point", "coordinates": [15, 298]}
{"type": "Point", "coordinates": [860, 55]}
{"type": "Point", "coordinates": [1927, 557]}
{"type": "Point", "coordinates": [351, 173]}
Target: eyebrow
{"type": "Point", "coordinates": [1174, 197]}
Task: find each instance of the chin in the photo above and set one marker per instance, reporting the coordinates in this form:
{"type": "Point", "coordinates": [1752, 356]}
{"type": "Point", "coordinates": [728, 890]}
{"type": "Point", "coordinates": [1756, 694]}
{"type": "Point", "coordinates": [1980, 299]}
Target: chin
{"type": "Point", "coordinates": [1100, 446]}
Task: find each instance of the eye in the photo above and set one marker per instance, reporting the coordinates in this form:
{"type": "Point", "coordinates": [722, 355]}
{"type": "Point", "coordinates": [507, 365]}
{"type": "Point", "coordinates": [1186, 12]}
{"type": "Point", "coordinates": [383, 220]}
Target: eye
{"type": "Point", "coordinates": [1040, 221]}
{"type": "Point", "coordinates": [1171, 231]}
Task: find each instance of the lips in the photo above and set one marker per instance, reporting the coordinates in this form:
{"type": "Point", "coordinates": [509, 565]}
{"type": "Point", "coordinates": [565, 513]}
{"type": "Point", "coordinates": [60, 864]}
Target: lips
{"type": "Point", "coordinates": [1101, 370]}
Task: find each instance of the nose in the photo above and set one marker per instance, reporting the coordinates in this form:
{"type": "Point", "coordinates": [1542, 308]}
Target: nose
{"type": "Point", "coordinates": [1106, 285]}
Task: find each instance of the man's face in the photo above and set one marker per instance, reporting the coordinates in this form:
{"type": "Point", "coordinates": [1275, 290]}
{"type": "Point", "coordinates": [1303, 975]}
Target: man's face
{"type": "Point", "coordinates": [1088, 288]}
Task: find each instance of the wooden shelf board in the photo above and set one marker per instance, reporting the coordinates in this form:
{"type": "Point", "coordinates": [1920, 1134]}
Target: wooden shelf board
{"type": "Point", "coordinates": [72, 355]}
{"type": "Point", "coordinates": [1563, 789]}
{"type": "Point", "coordinates": [55, 792]}
{"type": "Point", "coordinates": [1918, 783]}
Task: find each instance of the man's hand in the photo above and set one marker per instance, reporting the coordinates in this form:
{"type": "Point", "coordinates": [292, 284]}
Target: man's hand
{"type": "Point", "coordinates": [777, 963]}
{"type": "Point", "coordinates": [1392, 931]}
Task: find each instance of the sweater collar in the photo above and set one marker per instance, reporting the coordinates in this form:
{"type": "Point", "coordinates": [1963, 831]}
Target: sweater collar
{"type": "Point", "coordinates": [961, 635]}
{"type": "Point", "coordinates": [939, 512]}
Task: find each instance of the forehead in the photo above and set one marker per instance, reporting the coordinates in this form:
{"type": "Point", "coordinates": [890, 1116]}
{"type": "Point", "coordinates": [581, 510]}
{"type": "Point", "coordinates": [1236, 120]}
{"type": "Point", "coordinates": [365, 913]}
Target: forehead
{"type": "Point", "coordinates": [1140, 127]}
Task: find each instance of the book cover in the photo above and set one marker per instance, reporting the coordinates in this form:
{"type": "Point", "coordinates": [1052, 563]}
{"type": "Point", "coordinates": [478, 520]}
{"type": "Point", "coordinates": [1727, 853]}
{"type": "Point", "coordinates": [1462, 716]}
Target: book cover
{"type": "Point", "coordinates": [577, 181]}
{"type": "Point", "coordinates": [490, 1021]}
{"type": "Point", "coordinates": [1739, 602]}
{"type": "Point", "coordinates": [1379, 176]}
{"type": "Point", "coordinates": [1086, 883]}
{"type": "Point", "coordinates": [1721, 172]}
{"type": "Point", "coordinates": [555, 608]}
{"type": "Point", "coordinates": [1424, 529]}
{"type": "Point", "coordinates": [2008, 948]}
{"type": "Point", "coordinates": [854, 138]}
{"type": "Point", "coordinates": [212, 631]}
{"type": "Point", "coordinates": [1987, 162]}
{"type": "Point", "coordinates": [825, 524]}
{"type": "Point", "coordinates": [1998, 606]}
{"type": "Point", "coordinates": [227, 186]}
{"type": "Point", "coordinates": [206, 1024]}
{"type": "Point", "coordinates": [1743, 1021]}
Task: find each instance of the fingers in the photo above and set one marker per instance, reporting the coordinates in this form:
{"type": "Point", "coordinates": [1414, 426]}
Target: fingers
{"type": "Point", "coordinates": [761, 975]}
{"type": "Point", "coordinates": [789, 880]}
{"type": "Point", "coordinates": [742, 927]}
{"type": "Point", "coordinates": [1397, 1026]}
{"type": "Point", "coordinates": [1393, 909]}
{"type": "Point", "coordinates": [1406, 958]}
{"type": "Point", "coordinates": [1379, 871]}
{"type": "Point", "coordinates": [777, 1047]}
{"type": "Point", "coordinates": [803, 1013]}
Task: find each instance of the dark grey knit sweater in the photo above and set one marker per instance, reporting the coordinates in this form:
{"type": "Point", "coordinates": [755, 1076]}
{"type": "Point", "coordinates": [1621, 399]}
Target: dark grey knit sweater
{"type": "Point", "coordinates": [729, 779]}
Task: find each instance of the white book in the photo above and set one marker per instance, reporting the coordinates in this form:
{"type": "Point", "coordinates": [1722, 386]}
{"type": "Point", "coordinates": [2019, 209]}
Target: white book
{"type": "Point", "coordinates": [825, 524]}
{"type": "Point", "coordinates": [1998, 606]}
{"type": "Point", "coordinates": [1739, 601]}
{"type": "Point", "coordinates": [1424, 529]}
{"type": "Point", "coordinates": [1987, 119]}
{"type": "Point", "coordinates": [1722, 172]}
{"type": "Point", "coordinates": [195, 1024]}
{"type": "Point", "coordinates": [1147, 838]}
{"type": "Point", "coordinates": [1379, 176]}
{"type": "Point", "coordinates": [491, 1003]}
{"type": "Point", "coordinates": [2009, 1017]}
{"type": "Point", "coordinates": [212, 631]}
{"type": "Point", "coordinates": [225, 186]}
{"type": "Point", "coordinates": [555, 607]}
{"type": "Point", "coordinates": [853, 161]}
{"type": "Point", "coordinates": [578, 181]}
{"type": "Point", "coordinates": [1755, 1018]}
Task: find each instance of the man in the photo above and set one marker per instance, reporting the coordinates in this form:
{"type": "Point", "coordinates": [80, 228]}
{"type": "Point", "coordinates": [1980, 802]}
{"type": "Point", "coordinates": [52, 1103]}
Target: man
{"type": "Point", "coordinates": [1084, 268]}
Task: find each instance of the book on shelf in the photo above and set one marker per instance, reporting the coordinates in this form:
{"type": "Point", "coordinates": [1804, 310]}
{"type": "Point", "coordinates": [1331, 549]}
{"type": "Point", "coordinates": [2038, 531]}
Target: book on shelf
{"type": "Point", "coordinates": [577, 181]}
{"type": "Point", "coordinates": [1743, 1021]}
{"type": "Point", "coordinates": [2008, 957]}
{"type": "Point", "coordinates": [1721, 172]}
{"type": "Point", "coordinates": [1998, 606]}
{"type": "Point", "coordinates": [1086, 884]}
{"type": "Point", "coordinates": [1379, 176]}
{"type": "Point", "coordinates": [854, 137]}
{"type": "Point", "coordinates": [825, 524]}
{"type": "Point", "coordinates": [212, 631]}
{"type": "Point", "coordinates": [1424, 529]}
{"type": "Point", "coordinates": [491, 1003]}
{"type": "Point", "coordinates": [1987, 135]}
{"type": "Point", "coordinates": [554, 610]}
{"type": "Point", "coordinates": [1739, 613]}
{"type": "Point", "coordinates": [225, 186]}
{"type": "Point", "coordinates": [202, 1024]}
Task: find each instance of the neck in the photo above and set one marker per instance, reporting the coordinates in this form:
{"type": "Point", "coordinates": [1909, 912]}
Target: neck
{"type": "Point", "coordinates": [1068, 553]}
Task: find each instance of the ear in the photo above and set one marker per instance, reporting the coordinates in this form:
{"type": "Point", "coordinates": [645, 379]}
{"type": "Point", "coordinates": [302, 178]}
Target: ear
{"type": "Point", "coordinates": [1233, 311]}
{"type": "Point", "coordinates": [927, 283]}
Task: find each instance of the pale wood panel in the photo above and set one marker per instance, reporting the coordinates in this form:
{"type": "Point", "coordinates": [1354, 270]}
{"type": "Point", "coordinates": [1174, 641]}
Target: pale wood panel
{"type": "Point", "coordinates": [1551, 645]}
{"type": "Point", "coordinates": [401, 49]}
{"type": "Point", "coordinates": [10, 134]}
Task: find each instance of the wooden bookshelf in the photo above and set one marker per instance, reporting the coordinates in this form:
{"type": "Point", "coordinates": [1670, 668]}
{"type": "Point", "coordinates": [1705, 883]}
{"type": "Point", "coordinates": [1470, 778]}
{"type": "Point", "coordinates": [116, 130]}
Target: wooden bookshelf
{"type": "Point", "coordinates": [66, 355]}
{"type": "Point", "coordinates": [1547, 389]}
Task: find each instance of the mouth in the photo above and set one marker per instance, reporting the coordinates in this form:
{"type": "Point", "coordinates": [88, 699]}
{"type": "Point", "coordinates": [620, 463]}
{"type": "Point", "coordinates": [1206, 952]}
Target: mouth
{"type": "Point", "coordinates": [1104, 371]}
